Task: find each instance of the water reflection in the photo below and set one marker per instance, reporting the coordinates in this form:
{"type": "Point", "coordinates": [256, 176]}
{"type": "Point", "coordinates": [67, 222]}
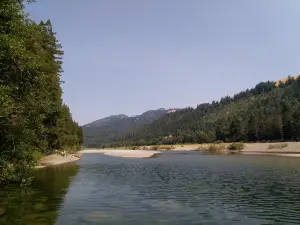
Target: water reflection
{"type": "Point", "coordinates": [39, 203]}
{"type": "Point", "coordinates": [171, 189]}
{"type": "Point", "coordinates": [185, 189]}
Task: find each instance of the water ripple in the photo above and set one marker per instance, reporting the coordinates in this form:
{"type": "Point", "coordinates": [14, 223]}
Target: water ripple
{"type": "Point", "coordinates": [184, 189]}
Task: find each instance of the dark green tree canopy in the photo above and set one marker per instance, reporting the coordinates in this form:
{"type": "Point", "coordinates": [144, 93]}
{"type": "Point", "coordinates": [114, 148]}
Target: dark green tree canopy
{"type": "Point", "coordinates": [33, 119]}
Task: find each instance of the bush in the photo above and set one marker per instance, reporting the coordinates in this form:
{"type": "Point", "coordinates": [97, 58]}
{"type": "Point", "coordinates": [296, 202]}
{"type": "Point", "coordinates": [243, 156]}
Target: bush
{"type": "Point", "coordinates": [211, 147]}
{"type": "Point", "coordinates": [218, 142]}
{"type": "Point", "coordinates": [167, 147]}
{"type": "Point", "coordinates": [161, 147]}
{"type": "Point", "coordinates": [202, 148]}
{"type": "Point", "coordinates": [236, 146]}
{"type": "Point", "coordinates": [154, 147]}
{"type": "Point", "coordinates": [278, 146]}
{"type": "Point", "coordinates": [214, 147]}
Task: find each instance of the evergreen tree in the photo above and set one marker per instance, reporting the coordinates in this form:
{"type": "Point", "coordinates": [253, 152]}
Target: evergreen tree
{"type": "Point", "coordinates": [30, 94]}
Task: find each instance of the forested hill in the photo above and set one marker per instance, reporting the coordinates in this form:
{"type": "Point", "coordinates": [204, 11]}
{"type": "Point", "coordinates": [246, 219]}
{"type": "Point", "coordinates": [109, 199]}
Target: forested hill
{"type": "Point", "coordinates": [33, 119]}
{"type": "Point", "coordinates": [270, 111]}
{"type": "Point", "coordinates": [102, 130]}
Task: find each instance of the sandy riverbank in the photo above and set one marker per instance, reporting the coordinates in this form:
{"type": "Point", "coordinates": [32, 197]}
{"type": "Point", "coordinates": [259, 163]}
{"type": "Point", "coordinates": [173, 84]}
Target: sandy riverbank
{"type": "Point", "coordinates": [56, 159]}
{"type": "Point", "coordinates": [292, 149]}
{"type": "Point", "coordinates": [124, 153]}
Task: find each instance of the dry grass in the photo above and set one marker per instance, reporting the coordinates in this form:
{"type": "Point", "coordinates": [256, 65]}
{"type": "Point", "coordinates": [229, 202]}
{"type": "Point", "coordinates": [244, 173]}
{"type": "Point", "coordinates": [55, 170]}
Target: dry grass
{"type": "Point", "coordinates": [212, 147]}
{"type": "Point", "coordinates": [278, 146]}
{"type": "Point", "coordinates": [162, 147]}
{"type": "Point", "coordinates": [285, 79]}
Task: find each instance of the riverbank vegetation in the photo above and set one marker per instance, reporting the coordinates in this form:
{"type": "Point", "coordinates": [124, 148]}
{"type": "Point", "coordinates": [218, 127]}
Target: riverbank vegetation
{"type": "Point", "coordinates": [278, 146]}
{"type": "Point", "coordinates": [268, 112]}
{"type": "Point", "coordinates": [34, 121]}
{"type": "Point", "coordinates": [212, 147]}
{"type": "Point", "coordinates": [155, 147]}
{"type": "Point", "coordinates": [236, 146]}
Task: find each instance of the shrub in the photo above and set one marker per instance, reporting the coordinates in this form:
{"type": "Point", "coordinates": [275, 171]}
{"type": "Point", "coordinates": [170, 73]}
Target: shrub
{"type": "Point", "coordinates": [162, 147]}
{"type": "Point", "coordinates": [202, 148]}
{"type": "Point", "coordinates": [218, 142]}
{"type": "Point", "coordinates": [211, 147]}
{"type": "Point", "coordinates": [214, 147]}
{"type": "Point", "coordinates": [278, 146]}
{"type": "Point", "coordinates": [167, 147]}
{"type": "Point", "coordinates": [155, 147]}
{"type": "Point", "coordinates": [236, 146]}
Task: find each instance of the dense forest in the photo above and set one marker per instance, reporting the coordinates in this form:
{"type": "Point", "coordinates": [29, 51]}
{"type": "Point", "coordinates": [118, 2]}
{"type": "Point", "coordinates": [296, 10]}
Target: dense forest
{"type": "Point", "coordinates": [268, 112]}
{"type": "Point", "coordinates": [33, 118]}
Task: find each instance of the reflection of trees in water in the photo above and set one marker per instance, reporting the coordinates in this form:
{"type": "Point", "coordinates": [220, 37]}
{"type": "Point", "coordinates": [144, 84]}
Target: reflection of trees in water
{"type": "Point", "coordinates": [39, 203]}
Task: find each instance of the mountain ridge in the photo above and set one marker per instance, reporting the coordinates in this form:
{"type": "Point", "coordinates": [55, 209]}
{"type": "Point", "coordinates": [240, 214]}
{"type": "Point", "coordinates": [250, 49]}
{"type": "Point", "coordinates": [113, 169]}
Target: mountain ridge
{"type": "Point", "coordinates": [123, 116]}
{"type": "Point", "coordinates": [102, 129]}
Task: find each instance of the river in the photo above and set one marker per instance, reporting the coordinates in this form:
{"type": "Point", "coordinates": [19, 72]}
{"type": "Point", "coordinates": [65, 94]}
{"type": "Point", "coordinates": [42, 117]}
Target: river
{"type": "Point", "coordinates": [175, 188]}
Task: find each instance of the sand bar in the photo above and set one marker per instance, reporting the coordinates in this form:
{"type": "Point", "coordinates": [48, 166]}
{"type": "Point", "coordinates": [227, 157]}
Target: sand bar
{"type": "Point", "coordinates": [292, 149]}
{"type": "Point", "coordinates": [124, 153]}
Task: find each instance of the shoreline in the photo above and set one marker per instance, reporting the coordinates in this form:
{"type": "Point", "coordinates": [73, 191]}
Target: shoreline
{"type": "Point", "coordinates": [292, 149]}
{"type": "Point", "coordinates": [56, 159]}
{"type": "Point", "coordinates": [273, 154]}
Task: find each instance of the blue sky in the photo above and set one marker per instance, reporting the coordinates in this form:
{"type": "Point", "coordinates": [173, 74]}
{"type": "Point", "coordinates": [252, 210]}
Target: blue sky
{"type": "Point", "coordinates": [129, 56]}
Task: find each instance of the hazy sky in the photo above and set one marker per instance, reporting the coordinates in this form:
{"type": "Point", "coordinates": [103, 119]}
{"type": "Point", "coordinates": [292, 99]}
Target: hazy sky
{"type": "Point", "coordinates": [129, 56]}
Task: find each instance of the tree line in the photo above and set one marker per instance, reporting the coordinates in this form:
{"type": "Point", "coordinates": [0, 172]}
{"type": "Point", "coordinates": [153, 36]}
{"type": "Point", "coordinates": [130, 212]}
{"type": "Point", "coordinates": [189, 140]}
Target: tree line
{"type": "Point", "coordinates": [267, 112]}
{"type": "Point", "coordinates": [33, 118]}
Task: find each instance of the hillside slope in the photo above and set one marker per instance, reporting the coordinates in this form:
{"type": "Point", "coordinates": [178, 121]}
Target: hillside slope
{"type": "Point", "coordinates": [266, 112]}
{"type": "Point", "coordinates": [104, 130]}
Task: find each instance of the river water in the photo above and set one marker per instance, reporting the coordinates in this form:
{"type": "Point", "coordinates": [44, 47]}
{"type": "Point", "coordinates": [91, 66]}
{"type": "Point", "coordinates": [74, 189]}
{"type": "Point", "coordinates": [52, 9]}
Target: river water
{"type": "Point", "coordinates": [174, 188]}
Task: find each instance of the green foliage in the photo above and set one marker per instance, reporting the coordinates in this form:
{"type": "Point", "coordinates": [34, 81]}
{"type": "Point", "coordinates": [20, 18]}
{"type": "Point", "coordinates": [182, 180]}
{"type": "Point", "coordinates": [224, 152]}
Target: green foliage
{"type": "Point", "coordinates": [33, 119]}
{"type": "Point", "coordinates": [278, 146]}
{"type": "Point", "coordinates": [236, 146]}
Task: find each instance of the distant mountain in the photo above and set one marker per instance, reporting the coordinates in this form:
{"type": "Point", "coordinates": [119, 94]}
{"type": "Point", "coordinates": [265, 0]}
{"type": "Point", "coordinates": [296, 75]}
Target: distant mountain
{"type": "Point", "coordinates": [103, 130]}
{"type": "Point", "coordinates": [106, 120]}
